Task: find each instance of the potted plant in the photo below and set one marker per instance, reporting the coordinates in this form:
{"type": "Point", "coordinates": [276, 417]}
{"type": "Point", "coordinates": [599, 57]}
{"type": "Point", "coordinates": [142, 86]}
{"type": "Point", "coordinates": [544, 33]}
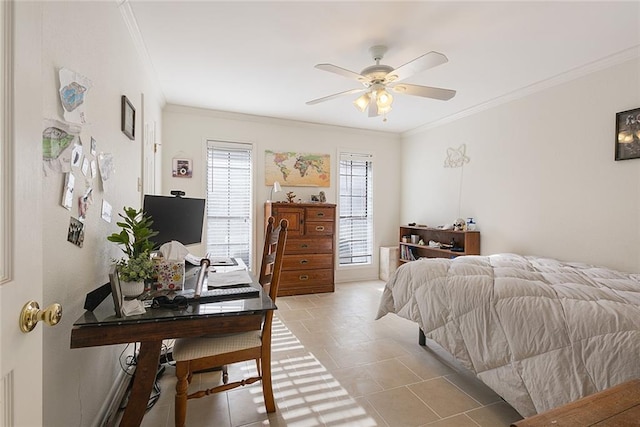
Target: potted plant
{"type": "Point", "coordinates": [134, 237]}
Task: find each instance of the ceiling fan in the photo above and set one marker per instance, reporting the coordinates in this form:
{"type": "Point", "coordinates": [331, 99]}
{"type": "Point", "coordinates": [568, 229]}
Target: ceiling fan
{"type": "Point", "coordinates": [378, 79]}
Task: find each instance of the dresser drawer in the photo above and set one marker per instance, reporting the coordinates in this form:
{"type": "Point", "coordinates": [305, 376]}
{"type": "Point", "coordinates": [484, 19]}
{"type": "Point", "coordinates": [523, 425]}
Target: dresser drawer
{"type": "Point", "coordinates": [307, 262]}
{"type": "Point", "coordinates": [306, 282]}
{"type": "Point", "coordinates": [318, 228]}
{"type": "Point", "coordinates": [320, 214]}
{"type": "Point", "coordinates": [316, 245]}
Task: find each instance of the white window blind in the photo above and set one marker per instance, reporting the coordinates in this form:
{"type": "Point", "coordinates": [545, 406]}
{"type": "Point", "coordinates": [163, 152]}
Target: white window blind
{"type": "Point", "coordinates": [229, 195]}
{"type": "Point", "coordinates": [356, 209]}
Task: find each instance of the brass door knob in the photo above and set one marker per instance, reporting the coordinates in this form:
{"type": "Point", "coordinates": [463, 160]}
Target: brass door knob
{"type": "Point", "coordinates": [31, 315]}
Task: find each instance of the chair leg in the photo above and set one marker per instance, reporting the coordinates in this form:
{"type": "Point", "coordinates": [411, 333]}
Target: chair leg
{"type": "Point", "coordinates": [267, 389]}
{"type": "Point", "coordinates": [182, 375]}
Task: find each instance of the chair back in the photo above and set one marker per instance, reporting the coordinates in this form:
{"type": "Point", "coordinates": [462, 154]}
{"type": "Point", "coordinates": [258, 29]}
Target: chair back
{"type": "Point", "coordinates": [272, 256]}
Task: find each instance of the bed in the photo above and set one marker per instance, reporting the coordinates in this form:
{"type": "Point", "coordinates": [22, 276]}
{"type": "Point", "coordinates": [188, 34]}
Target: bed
{"type": "Point", "coordinates": [540, 332]}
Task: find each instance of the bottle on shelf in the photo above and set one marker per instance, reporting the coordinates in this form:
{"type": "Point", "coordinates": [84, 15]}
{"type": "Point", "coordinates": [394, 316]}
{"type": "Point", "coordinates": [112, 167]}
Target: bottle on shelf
{"type": "Point", "coordinates": [471, 224]}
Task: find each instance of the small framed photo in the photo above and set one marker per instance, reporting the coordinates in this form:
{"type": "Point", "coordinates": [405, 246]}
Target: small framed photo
{"type": "Point", "coordinates": [116, 291]}
{"type": "Point", "coordinates": [128, 121]}
{"type": "Point", "coordinates": [182, 168]}
{"type": "Point", "coordinates": [628, 134]}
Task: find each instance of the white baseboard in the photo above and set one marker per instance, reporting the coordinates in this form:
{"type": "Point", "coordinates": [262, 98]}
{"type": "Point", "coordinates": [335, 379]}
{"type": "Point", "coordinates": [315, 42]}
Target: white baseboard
{"type": "Point", "coordinates": [107, 416]}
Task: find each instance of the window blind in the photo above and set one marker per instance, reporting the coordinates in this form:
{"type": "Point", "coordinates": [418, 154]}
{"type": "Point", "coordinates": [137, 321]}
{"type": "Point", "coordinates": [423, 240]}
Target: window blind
{"type": "Point", "coordinates": [229, 195]}
{"type": "Point", "coordinates": [356, 209]}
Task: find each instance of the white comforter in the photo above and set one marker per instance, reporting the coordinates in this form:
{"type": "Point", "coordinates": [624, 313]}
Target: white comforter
{"type": "Point", "coordinates": [539, 332]}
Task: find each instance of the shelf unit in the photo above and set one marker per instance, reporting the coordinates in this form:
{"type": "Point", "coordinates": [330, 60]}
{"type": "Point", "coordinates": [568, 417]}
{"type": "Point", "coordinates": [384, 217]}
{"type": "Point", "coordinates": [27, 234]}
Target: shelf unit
{"type": "Point", "coordinates": [467, 241]}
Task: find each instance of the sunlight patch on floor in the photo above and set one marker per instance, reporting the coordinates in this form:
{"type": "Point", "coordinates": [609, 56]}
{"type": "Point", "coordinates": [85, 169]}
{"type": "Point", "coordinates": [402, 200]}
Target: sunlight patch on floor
{"type": "Point", "coordinates": [304, 388]}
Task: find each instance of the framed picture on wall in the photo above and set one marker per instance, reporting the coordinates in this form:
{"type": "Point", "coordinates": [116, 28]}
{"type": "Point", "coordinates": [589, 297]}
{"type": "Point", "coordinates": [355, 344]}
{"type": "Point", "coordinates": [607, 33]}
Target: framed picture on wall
{"type": "Point", "coordinates": [182, 168]}
{"type": "Point", "coordinates": [628, 134]}
{"type": "Point", "coordinates": [128, 120]}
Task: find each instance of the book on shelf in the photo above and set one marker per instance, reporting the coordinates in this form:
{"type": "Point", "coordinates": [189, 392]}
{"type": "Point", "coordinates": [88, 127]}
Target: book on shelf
{"type": "Point", "coordinates": [406, 253]}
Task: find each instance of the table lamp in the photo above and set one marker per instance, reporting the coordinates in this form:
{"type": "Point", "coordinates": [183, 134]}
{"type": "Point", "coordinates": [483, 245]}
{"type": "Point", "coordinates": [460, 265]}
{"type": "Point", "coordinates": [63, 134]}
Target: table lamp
{"type": "Point", "coordinates": [275, 189]}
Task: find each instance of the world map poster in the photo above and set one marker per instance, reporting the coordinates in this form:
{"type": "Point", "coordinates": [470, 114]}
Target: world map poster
{"type": "Point", "coordinates": [297, 169]}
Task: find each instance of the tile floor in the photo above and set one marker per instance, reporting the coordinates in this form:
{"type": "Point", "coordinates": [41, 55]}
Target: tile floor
{"type": "Point", "coordinates": [334, 365]}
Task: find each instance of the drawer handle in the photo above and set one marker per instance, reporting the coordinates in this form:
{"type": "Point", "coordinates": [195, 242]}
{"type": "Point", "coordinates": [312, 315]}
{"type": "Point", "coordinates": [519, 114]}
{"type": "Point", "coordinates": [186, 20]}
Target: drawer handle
{"type": "Point", "coordinates": [320, 228]}
{"type": "Point", "coordinates": [304, 277]}
{"type": "Point", "coordinates": [304, 246]}
{"type": "Point", "coordinates": [320, 213]}
{"type": "Point", "coordinates": [303, 261]}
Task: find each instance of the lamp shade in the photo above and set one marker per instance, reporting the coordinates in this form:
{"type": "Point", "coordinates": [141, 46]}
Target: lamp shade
{"type": "Point", "coordinates": [362, 102]}
{"type": "Point", "coordinates": [275, 189]}
{"type": "Point", "coordinates": [384, 99]}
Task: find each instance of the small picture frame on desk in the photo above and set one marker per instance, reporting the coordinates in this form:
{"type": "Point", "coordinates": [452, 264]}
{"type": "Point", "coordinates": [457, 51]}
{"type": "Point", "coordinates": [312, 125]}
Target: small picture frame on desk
{"type": "Point", "coordinates": [116, 291]}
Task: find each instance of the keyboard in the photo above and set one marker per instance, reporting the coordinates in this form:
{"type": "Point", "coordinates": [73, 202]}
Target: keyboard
{"type": "Point", "coordinates": [224, 294]}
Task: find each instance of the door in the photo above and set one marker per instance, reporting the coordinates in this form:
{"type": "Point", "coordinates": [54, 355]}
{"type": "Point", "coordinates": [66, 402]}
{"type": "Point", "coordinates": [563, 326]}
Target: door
{"type": "Point", "coordinates": [294, 215]}
{"type": "Point", "coordinates": [149, 149]}
{"type": "Point", "coordinates": [21, 213]}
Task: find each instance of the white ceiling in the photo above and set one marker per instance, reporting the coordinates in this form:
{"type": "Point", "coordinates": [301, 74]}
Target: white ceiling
{"type": "Point", "coordinates": [258, 57]}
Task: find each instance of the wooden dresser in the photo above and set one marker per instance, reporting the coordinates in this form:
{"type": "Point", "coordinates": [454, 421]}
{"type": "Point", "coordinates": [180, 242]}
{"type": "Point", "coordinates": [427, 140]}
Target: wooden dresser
{"type": "Point", "coordinates": [308, 265]}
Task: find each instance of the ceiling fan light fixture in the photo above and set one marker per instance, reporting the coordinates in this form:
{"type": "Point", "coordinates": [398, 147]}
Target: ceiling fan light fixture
{"type": "Point", "coordinates": [384, 99]}
{"type": "Point", "coordinates": [383, 110]}
{"type": "Point", "coordinates": [362, 102]}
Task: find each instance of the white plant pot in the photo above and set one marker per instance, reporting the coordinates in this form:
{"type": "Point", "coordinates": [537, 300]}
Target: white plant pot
{"type": "Point", "coordinates": [131, 289]}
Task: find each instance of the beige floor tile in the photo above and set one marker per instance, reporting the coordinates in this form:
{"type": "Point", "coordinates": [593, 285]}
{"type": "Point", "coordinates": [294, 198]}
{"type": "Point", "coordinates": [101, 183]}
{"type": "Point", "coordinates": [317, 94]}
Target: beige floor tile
{"type": "Point", "coordinates": [495, 415]}
{"type": "Point", "coordinates": [443, 397]}
{"type": "Point", "coordinates": [355, 355]}
{"type": "Point", "coordinates": [357, 381]}
{"type": "Point", "coordinates": [246, 405]}
{"type": "Point", "coordinates": [391, 373]}
{"type": "Point", "coordinates": [399, 407]}
{"type": "Point", "coordinates": [425, 365]}
{"type": "Point", "coordinates": [320, 338]}
{"type": "Point", "coordinates": [474, 387]}
{"type": "Point", "coordinates": [294, 303]}
{"type": "Point", "coordinates": [372, 414]}
{"type": "Point", "coordinates": [460, 420]}
{"type": "Point", "coordinates": [294, 315]}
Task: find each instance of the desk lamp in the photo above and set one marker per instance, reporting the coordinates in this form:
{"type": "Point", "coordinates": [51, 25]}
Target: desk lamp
{"type": "Point", "coordinates": [275, 189]}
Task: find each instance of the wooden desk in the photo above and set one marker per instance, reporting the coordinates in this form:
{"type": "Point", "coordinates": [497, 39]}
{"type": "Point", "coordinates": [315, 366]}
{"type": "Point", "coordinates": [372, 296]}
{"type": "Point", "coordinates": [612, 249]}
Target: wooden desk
{"type": "Point", "coordinates": [616, 406]}
{"type": "Point", "coordinates": [102, 327]}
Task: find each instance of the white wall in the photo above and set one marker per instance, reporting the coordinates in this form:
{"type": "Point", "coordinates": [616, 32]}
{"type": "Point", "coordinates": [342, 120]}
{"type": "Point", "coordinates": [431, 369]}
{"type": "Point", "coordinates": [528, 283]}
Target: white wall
{"type": "Point", "coordinates": [90, 38]}
{"type": "Point", "coordinates": [542, 179]}
{"type": "Point", "coordinates": [186, 130]}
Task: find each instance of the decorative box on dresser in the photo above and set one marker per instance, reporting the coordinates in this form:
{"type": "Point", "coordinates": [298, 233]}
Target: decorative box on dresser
{"type": "Point", "coordinates": [308, 265]}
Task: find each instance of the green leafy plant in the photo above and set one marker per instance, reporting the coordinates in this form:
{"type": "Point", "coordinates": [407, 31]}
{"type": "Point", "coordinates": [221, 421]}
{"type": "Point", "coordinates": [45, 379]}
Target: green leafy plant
{"type": "Point", "coordinates": [134, 237]}
{"type": "Point", "coordinates": [137, 269]}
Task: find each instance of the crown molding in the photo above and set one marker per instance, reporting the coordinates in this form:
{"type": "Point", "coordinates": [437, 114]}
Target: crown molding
{"type": "Point", "coordinates": [273, 121]}
{"type": "Point", "coordinates": [592, 67]}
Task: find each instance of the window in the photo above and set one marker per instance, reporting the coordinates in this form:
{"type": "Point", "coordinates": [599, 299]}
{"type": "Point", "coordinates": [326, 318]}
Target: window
{"type": "Point", "coordinates": [356, 209]}
{"type": "Point", "coordinates": [229, 196]}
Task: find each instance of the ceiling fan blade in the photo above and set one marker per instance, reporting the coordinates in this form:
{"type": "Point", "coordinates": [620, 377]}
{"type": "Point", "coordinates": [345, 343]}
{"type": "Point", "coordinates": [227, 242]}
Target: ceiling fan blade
{"type": "Point", "coordinates": [335, 95]}
{"type": "Point", "coordinates": [373, 108]}
{"type": "Point", "coordinates": [342, 72]}
{"type": "Point", "coordinates": [421, 63]}
{"type": "Point", "coordinates": [424, 91]}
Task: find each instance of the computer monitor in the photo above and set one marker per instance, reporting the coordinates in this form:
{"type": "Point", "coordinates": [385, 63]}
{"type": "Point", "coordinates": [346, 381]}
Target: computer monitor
{"type": "Point", "coordinates": [175, 218]}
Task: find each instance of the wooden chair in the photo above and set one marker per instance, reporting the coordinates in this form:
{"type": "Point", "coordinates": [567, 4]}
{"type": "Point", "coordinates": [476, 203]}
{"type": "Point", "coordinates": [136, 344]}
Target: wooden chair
{"type": "Point", "coordinates": [202, 353]}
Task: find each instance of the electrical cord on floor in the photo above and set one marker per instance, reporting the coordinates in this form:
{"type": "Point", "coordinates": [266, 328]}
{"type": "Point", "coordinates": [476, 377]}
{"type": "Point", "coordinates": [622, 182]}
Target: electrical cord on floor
{"type": "Point", "coordinates": [129, 361]}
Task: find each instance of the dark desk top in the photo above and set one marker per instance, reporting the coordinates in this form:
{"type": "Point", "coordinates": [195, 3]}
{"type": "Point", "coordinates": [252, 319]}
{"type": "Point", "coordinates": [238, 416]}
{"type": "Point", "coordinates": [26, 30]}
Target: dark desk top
{"type": "Point", "coordinates": [104, 314]}
{"type": "Point", "coordinates": [103, 327]}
